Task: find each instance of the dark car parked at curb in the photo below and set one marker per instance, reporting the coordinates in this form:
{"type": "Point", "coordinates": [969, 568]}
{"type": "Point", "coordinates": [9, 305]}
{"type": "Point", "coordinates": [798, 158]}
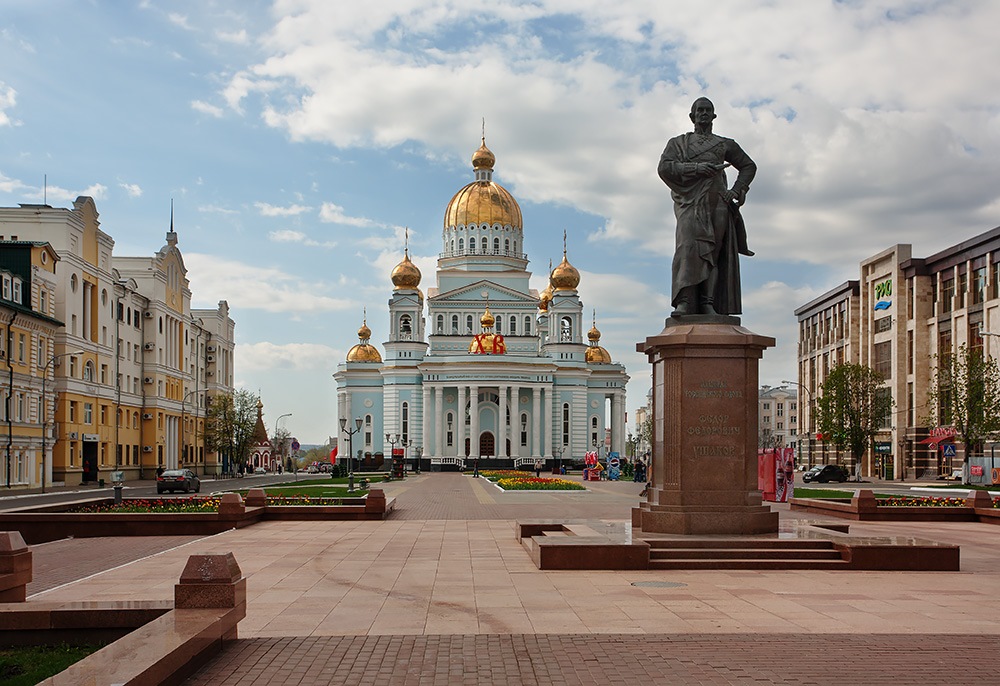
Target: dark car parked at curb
{"type": "Point", "coordinates": [825, 473]}
{"type": "Point", "coordinates": [178, 480]}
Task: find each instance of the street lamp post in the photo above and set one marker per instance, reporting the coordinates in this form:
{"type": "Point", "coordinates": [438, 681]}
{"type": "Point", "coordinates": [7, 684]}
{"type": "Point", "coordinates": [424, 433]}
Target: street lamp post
{"type": "Point", "coordinates": [809, 443]}
{"type": "Point", "coordinates": [280, 417]}
{"type": "Point", "coordinates": [558, 453]}
{"type": "Point", "coordinates": [392, 440]}
{"type": "Point", "coordinates": [44, 413]}
{"type": "Point", "coordinates": [406, 445]}
{"type": "Point", "coordinates": [350, 448]}
{"type": "Point", "coordinates": [184, 429]}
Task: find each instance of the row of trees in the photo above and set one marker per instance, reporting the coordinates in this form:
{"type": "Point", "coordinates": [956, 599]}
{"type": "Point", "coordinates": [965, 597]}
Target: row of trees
{"type": "Point", "coordinates": [854, 405]}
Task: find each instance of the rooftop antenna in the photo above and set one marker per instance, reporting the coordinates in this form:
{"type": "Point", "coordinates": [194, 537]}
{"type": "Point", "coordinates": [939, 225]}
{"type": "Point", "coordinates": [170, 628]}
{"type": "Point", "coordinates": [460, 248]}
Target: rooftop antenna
{"type": "Point", "coordinates": [171, 215]}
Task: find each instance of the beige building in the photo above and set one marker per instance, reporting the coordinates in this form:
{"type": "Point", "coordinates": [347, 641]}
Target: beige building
{"type": "Point", "coordinates": [131, 366]}
{"type": "Point", "coordinates": [897, 318]}
{"type": "Point", "coordinates": [777, 417]}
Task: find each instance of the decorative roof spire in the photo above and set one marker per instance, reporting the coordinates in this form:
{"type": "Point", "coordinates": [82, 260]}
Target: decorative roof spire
{"type": "Point", "coordinates": [171, 235]}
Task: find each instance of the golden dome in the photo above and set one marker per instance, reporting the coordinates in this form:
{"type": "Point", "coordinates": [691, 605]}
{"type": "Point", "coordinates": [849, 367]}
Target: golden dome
{"type": "Point", "coordinates": [364, 351]}
{"type": "Point", "coordinates": [483, 158]}
{"type": "Point", "coordinates": [594, 334]}
{"type": "Point", "coordinates": [487, 320]}
{"type": "Point", "coordinates": [598, 355]}
{"type": "Point", "coordinates": [565, 277]}
{"type": "Point", "coordinates": [405, 274]}
{"type": "Point", "coordinates": [544, 298]}
{"type": "Point", "coordinates": [483, 201]}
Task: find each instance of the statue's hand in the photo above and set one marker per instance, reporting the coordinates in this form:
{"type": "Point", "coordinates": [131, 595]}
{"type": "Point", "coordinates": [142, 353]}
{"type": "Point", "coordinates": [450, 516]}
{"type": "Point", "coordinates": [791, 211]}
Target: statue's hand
{"type": "Point", "coordinates": [708, 168]}
{"type": "Point", "coordinates": [738, 197]}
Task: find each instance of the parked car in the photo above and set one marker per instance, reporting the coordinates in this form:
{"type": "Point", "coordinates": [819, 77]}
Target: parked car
{"type": "Point", "coordinates": [825, 473]}
{"type": "Point", "coordinates": [260, 470]}
{"type": "Point", "coordinates": [178, 480]}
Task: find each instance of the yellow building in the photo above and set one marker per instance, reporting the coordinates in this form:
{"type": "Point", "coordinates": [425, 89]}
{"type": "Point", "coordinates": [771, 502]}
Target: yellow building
{"type": "Point", "coordinates": [135, 363]}
{"type": "Point", "coordinates": [27, 343]}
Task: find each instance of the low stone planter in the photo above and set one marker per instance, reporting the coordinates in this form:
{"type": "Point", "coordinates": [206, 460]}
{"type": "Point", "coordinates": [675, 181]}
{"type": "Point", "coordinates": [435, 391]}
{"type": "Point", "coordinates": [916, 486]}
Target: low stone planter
{"type": "Point", "coordinates": [864, 507]}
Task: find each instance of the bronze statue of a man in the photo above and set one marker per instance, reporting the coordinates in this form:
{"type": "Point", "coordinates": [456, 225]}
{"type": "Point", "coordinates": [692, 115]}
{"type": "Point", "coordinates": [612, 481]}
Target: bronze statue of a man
{"type": "Point", "coordinates": [710, 231]}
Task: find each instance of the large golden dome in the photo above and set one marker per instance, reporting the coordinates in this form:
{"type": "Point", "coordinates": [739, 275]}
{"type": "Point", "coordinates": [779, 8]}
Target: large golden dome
{"type": "Point", "coordinates": [565, 277]}
{"type": "Point", "coordinates": [405, 274]}
{"type": "Point", "coordinates": [483, 201]}
{"type": "Point", "coordinates": [487, 343]}
{"type": "Point", "coordinates": [364, 351]}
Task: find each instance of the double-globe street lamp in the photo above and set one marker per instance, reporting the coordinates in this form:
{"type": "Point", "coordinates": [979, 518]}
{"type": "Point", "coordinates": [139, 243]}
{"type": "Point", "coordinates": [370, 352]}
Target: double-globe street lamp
{"type": "Point", "coordinates": [280, 417]}
{"type": "Point", "coordinates": [44, 413]}
{"type": "Point", "coordinates": [350, 448]}
{"type": "Point", "coordinates": [392, 440]}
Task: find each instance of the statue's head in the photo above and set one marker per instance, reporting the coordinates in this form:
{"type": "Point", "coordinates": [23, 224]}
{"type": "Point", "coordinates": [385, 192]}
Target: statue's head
{"type": "Point", "coordinates": [702, 110]}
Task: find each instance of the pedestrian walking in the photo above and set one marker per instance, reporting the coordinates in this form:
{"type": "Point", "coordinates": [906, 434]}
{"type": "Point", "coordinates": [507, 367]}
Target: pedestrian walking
{"type": "Point", "coordinates": [538, 468]}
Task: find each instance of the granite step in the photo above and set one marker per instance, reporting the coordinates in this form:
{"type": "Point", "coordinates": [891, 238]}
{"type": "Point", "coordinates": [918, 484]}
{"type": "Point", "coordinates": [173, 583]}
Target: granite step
{"type": "Point", "coordinates": [740, 543]}
{"type": "Point", "coordinates": [744, 554]}
{"type": "Point", "coordinates": [782, 564]}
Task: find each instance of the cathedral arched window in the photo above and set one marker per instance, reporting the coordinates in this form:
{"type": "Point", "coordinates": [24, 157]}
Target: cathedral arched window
{"type": "Point", "coordinates": [472, 245]}
{"type": "Point", "coordinates": [513, 325]}
{"type": "Point", "coordinates": [527, 325]}
{"type": "Point", "coordinates": [454, 324]}
{"type": "Point", "coordinates": [565, 424]}
{"type": "Point", "coordinates": [450, 437]}
{"type": "Point", "coordinates": [405, 327]}
{"type": "Point", "coordinates": [496, 246]}
{"type": "Point", "coordinates": [524, 429]}
{"type": "Point", "coordinates": [461, 245]}
{"type": "Point", "coordinates": [498, 323]}
{"type": "Point", "coordinates": [506, 246]}
{"type": "Point", "coordinates": [368, 431]}
{"type": "Point", "coordinates": [468, 323]}
{"type": "Point", "coordinates": [405, 423]}
{"type": "Point", "coordinates": [566, 330]}
{"type": "Point", "coordinates": [440, 323]}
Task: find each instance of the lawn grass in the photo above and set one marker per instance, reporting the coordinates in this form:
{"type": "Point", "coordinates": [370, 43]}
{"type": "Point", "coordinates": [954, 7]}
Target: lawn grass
{"type": "Point", "coordinates": [822, 493]}
{"type": "Point", "coordinates": [964, 487]}
{"type": "Point", "coordinates": [27, 665]}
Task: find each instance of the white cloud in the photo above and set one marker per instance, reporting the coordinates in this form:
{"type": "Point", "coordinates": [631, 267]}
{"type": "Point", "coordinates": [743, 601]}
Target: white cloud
{"type": "Point", "coordinates": [334, 214]}
{"type": "Point", "coordinates": [132, 189]}
{"type": "Point", "coordinates": [292, 236]}
{"type": "Point", "coordinates": [267, 210]}
{"type": "Point", "coordinates": [236, 37]}
{"type": "Point", "coordinates": [254, 287]}
{"type": "Point", "coordinates": [888, 134]}
{"type": "Point", "coordinates": [206, 108]}
{"type": "Point", "coordinates": [265, 356]}
{"type": "Point", "coordinates": [12, 186]}
{"type": "Point", "coordinates": [216, 209]}
{"type": "Point", "coordinates": [180, 20]}
{"type": "Point", "coordinates": [8, 98]}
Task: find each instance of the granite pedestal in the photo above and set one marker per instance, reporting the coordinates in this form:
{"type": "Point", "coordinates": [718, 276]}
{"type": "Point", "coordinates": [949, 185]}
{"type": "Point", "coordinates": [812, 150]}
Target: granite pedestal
{"type": "Point", "coordinates": [704, 446]}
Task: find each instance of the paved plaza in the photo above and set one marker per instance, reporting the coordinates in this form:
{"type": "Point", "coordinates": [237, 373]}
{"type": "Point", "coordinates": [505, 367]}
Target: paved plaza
{"type": "Point", "coordinates": [442, 593]}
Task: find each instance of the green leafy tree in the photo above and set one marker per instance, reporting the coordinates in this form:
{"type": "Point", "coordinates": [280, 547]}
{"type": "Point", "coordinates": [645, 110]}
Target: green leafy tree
{"type": "Point", "coordinates": [646, 431]}
{"type": "Point", "coordinates": [966, 391]}
{"type": "Point", "coordinates": [852, 406]}
{"type": "Point", "coordinates": [229, 425]}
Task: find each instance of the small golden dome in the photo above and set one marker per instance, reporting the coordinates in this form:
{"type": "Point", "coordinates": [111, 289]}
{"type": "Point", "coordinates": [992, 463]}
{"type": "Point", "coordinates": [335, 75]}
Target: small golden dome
{"type": "Point", "coordinates": [364, 351]}
{"type": "Point", "coordinates": [598, 355]}
{"type": "Point", "coordinates": [483, 201]}
{"type": "Point", "coordinates": [594, 334]}
{"type": "Point", "coordinates": [405, 274]}
{"type": "Point", "coordinates": [545, 298]}
{"type": "Point", "coordinates": [487, 320]}
{"type": "Point", "coordinates": [565, 277]}
{"type": "Point", "coordinates": [483, 158]}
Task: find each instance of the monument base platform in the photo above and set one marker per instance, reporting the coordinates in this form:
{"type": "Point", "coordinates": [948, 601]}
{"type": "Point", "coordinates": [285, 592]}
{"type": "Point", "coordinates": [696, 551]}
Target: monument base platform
{"type": "Point", "coordinates": [687, 520]}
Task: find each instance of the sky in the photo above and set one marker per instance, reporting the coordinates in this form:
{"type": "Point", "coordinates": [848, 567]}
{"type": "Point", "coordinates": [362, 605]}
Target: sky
{"type": "Point", "coordinates": [297, 139]}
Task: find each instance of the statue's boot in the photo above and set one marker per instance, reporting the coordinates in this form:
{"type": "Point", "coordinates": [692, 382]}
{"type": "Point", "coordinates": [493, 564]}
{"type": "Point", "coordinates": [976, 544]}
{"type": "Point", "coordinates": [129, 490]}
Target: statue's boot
{"type": "Point", "coordinates": [707, 301]}
{"type": "Point", "coordinates": [686, 302]}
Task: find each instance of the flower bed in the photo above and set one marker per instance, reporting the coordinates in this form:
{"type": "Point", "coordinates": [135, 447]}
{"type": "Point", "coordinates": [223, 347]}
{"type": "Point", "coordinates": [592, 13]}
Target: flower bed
{"type": "Point", "coordinates": [494, 474]}
{"type": "Point", "coordinates": [922, 501]}
{"type": "Point", "coordinates": [152, 505]}
{"type": "Point", "coordinates": [537, 484]}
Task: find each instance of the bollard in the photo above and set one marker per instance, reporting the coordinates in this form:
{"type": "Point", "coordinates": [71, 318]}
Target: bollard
{"type": "Point", "coordinates": [15, 567]}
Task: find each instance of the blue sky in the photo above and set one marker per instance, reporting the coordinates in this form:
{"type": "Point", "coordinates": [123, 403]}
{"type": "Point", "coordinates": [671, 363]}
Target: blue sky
{"type": "Point", "coordinates": [297, 139]}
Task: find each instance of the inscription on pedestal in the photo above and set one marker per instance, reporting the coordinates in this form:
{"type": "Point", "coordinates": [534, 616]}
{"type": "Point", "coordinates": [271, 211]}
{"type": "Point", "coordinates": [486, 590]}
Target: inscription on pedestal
{"type": "Point", "coordinates": [712, 425]}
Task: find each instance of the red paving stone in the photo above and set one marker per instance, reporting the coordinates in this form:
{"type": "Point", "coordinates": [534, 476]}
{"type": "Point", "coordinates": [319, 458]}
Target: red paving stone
{"type": "Point", "coordinates": [536, 660]}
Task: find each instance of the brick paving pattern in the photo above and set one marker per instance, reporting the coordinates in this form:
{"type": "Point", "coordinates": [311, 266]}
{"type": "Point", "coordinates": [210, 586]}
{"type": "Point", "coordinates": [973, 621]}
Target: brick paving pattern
{"type": "Point", "coordinates": [60, 562]}
{"type": "Point", "coordinates": [537, 660]}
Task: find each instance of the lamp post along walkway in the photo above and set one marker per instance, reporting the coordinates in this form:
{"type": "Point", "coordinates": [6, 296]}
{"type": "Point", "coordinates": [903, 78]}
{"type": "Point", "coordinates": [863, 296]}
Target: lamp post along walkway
{"type": "Point", "coordinates": [350, 448]}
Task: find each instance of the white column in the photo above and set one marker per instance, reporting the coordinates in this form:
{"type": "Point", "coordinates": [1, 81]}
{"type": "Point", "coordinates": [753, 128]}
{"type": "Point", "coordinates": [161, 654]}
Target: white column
{"type": "Point", "coordinates": [439, 421]}
{"type": "Point", "coordinates": [536, 422]}
{"type": "Point", "coordinates": [460, 423]}
{"type": "Point", "coordinates": [547, 438]}
{"type": "Point", "coordinates": [502, 424]}
{"type": "Point", "coordinates": [617, 423]}
{"type": "Point", "coordinates": [425, 420]}
{"type": "Point", "coordinates": [515, 421]}
{"type": "Point", "coordinates": [474, 421]}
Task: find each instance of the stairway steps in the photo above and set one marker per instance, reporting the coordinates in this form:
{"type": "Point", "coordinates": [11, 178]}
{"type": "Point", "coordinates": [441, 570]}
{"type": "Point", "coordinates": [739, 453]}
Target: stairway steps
{"type": "Point", "coordinates": [740, 543]}
{"type": "Point", "coordinates": [783, 564]}
{"type": "Point", "coordinates": [743, 554]}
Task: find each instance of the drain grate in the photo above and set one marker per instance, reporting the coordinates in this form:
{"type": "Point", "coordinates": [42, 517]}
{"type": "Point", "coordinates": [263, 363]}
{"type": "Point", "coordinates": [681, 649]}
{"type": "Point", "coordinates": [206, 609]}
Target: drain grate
{"type": "Point", "coordinates": [658, 584]}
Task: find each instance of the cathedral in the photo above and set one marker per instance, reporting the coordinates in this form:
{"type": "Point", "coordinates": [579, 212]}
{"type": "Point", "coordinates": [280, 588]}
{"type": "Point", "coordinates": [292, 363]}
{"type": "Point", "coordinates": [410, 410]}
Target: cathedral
{"type": "Point", "coordinates": [494, 373]}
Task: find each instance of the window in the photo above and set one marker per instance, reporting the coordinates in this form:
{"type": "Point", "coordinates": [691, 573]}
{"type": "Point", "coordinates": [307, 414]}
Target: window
{"type": "Point", "coordinates": [506, 246]}
{"type": "Point", "coordinates": [472, 244]}
{"type": "Point", "coordinates": [513, 325]}
{"type": "Point", "coordinates": [883, 359]}
{"type": "Point", "coordinates": [74, 282]}
{"type": "Point", "coordinates": [565, 424]}
{"type": "Point", "coordinates": [20, 348]}
{"type": "Point", "coordinates": [767, 406]}
{"type": "Point", "coordinates": [461, 245]}
{"type": "Point", "coordinates": [19, 408]}
{"type": "Point", "coordinates": [88, 413]}
{"type": "Point", "coordinates": [496, 246]}
{"type": "Point", "coordinates": [88, 371]}
{"type": "Point", "coordinates": [406, 422]}
{"type": "Point", "coordinates": [566, 329]}
{"type": "Point", "coordinates": [43, 301]}
{"type": "Point", "coordinates": [468, 323]}
{"type": "Point", "coordinates": [961, 289]}
{"type": "Point", "coordinates": [104, 414]}
{"type": "Point", "coordinates": [440, 323]}
{"type": "Point", "coordinates": [947, 295]}
{"type": "Point", "coordinates": [527, 325]}
{"type": "Point", "coordinates": [405, 328]}
{"type": "Point", "coordinates": [72, 410]}
{"type": "Point", "coordinates": [450, 438]}
{"type": "Point", "coordinates": [17, 290]}
{"type": "Point", "coordinates": [978, 285]}
{"type": "Point", "coordinates": [781, 409]}
{"type": "Point", "coordinates": [368, 430]}
{"type": "Point", "coordinates": [524, 430]}
{"type": "Point", "coordinates": [6, 286]}
{"type": "Point", "coordinates": [454, 324]}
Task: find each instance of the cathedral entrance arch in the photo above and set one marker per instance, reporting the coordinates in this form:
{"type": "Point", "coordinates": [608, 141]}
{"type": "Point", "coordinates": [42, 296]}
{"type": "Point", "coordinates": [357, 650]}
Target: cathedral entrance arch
{"type": "Point", "coordinates": [487, 444]}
